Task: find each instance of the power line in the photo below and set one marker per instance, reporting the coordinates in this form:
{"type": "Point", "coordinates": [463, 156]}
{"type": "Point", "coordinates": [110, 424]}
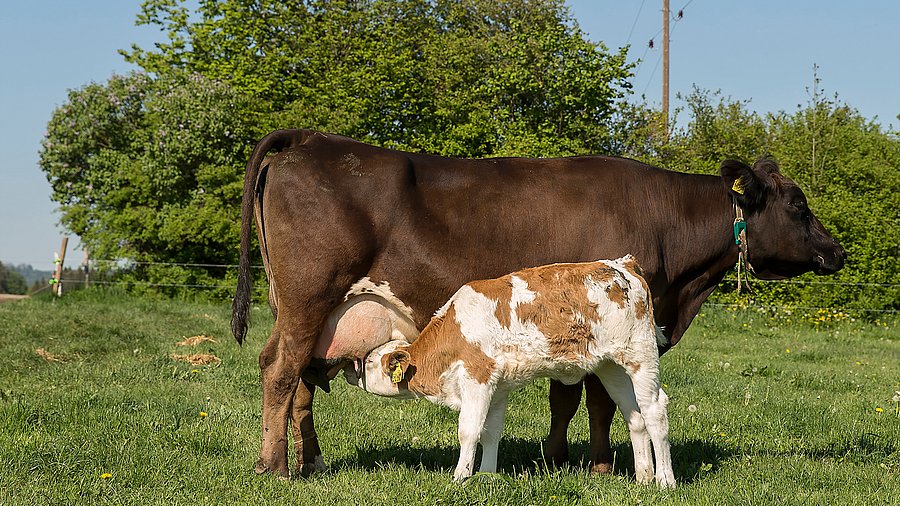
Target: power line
{"type": "Point", "coordinates": [628, 41]}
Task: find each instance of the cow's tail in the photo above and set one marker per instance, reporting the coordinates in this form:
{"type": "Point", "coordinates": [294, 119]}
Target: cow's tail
{"type": "Point", "coordinates": [277, 140]}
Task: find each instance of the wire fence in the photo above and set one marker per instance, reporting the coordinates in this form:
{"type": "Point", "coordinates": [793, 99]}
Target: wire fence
{"type": "Point", "coordinates": [750, 305]}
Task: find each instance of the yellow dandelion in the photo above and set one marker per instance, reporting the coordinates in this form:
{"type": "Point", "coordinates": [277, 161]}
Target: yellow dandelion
{"type": "Point", "coordinates": [879, 410]}
{"type": "Point", "coordinates": [788, 350]}
{"type": "Point", "coordinates": [106, 476]}
{"type": "Point", "coordinates": [203, 414]}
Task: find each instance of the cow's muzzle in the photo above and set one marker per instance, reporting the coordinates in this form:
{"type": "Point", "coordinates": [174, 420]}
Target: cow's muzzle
{"type": "Point", "coordinates": [832, 262]}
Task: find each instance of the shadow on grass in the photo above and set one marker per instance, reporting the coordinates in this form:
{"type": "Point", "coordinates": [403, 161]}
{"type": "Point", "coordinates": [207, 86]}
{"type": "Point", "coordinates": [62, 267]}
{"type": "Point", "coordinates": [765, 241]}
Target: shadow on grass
{"type": "Point", "coordinates": [864, 447]}
{"type": "Point", "coordinates": [690, 459]}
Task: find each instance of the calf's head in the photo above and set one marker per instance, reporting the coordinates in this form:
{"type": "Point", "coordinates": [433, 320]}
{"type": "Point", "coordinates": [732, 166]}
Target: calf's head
{"type": "Point", "coordinates": [385, 371]}
{"type": "Point", "coordinates": [784, 238]}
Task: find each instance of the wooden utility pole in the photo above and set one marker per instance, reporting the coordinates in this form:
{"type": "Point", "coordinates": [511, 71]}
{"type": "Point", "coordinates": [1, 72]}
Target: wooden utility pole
{"type": "Point", "coordinates": [665, 75]}
{"type": "Point", "coordinates": [59, 266]}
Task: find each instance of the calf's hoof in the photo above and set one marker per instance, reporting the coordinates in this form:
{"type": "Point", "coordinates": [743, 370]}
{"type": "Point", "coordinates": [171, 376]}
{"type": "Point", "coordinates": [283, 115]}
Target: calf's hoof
{"type": "Point", "coordinates": [666, 483]}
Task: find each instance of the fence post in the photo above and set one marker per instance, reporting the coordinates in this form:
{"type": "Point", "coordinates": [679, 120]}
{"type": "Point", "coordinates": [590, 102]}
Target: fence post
{"type": "Point", "coordinates": [59, 265]}
{"type": "Point", "coordinates": [87, 269]}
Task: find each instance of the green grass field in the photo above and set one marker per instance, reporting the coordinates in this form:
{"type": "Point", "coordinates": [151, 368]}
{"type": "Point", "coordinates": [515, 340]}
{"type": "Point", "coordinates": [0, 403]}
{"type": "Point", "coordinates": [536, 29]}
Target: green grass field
{"type": "Point", "coordinates": [94, 410]}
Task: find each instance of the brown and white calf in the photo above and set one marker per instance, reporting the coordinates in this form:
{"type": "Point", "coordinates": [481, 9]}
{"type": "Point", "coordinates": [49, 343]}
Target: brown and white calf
{"type": "Point", "coordinates": [561, 321]}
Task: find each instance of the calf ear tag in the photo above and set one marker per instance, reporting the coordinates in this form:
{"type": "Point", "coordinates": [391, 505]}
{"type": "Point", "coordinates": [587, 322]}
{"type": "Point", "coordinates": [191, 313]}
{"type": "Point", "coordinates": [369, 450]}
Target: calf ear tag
{"type": "Point", "coordinates": [738, 187]}
{"type": "Point", "coordinates": [397, 375]}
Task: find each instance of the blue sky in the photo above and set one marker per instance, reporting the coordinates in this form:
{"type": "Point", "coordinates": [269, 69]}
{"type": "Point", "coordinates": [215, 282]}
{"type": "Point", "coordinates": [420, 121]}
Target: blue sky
{"type": "Point", "coordinates": [762, 50]}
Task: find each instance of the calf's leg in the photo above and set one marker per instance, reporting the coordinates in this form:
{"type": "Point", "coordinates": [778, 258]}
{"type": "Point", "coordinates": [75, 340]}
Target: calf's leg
{"type": "Point", "coordinates": [474, 407]}
{"type": "Point", "coordinates": [653, 405]}
{"type": "Point", "coordinates": [564, 401]}
{"type": "Point", "coordinates": [619, 386]}
{"type": "Point", "coordinates": [490, 435]}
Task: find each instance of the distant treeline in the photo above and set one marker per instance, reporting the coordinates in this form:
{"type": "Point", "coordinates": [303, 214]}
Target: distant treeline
{"type": "Point", "coordinates": [21, 279]}
{"type": "Point", "coordinates": [149, 166]}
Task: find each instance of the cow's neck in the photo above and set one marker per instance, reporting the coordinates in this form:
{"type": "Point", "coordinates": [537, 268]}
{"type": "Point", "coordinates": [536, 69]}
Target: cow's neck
{"type": "Point", "coordinates": [704, 234]}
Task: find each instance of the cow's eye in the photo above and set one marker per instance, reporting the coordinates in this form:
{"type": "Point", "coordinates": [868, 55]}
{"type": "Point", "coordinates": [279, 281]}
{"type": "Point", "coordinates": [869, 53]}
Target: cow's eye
{"type": "Point", "coordinates": [800, 208]}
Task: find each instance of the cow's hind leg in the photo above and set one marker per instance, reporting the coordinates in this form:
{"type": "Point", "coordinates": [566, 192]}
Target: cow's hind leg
{"type": "Point", "coordinates": [620, 388]}
{"type": "Point", "coordinates": [306, 442]}
{"type": "Point", "coordinates": [601, 410]}
{"type": "Point", "coordinates": [280, 367]}
{"type": "Point", "coordinates": [282, 360]}
{"type": "Point", "coordinates": [564, 401]}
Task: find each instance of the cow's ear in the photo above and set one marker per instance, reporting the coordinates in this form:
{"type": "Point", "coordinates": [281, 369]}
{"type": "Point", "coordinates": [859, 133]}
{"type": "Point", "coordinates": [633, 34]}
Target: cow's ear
{"type": "Point", "coordinates": [747, 185]}
{"type": "Point", "coordinates": [395, 364]}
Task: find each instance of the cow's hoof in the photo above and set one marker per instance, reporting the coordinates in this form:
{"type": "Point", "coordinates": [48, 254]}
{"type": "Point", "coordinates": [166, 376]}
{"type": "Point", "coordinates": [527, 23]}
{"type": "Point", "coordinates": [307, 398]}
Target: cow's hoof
{"type": "Point", "coordinates": [601, 468]}
{"type": "Point", "coordinates": [306, 470]}
{"type": "Point", "coordinates": [553, 456]}
{"type": "Point", "coordinates": [262, 468]}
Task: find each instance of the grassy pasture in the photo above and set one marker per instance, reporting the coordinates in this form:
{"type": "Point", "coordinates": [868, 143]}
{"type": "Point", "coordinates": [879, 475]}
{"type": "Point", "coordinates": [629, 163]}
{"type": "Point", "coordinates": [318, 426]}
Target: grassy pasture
{"type": "Point", "coordinates": [95, 410]}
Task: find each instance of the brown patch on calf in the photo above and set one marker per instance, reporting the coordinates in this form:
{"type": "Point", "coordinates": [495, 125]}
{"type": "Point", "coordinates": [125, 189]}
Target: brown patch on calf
{"type": "Point", "coordinates": [561, 309]}
{"type": "Point", "coordinates": [443, 343]}
{"type": "Point", "coordinates": [499, 290]}
{"type": "Point", "coordinates": [617, 294]}
{"type": "Point", "coordinates": [635, 270]}
{"type": "Point", "coordinates": [640, 309]}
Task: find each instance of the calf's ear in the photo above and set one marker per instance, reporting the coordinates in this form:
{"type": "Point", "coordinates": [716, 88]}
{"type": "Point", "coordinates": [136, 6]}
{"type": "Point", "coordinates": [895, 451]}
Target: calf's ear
{"type": "Point", "coordinates": [395, 364]}
{"type": "Point", "coordinates": [747, 185]}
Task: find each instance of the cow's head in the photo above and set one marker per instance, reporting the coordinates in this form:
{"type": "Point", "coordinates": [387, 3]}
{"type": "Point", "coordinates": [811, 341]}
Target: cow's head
{"type": "Point", "coordinates": [384, 371]}
{"type": "Point", "coordinates": [784, 238]}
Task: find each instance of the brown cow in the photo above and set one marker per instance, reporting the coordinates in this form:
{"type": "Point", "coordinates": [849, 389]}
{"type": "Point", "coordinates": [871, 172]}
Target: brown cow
{"type": "Point", "coordinates": [342, 223]}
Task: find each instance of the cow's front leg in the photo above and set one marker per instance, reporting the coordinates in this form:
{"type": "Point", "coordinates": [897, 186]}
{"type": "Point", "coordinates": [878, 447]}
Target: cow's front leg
{"type": "Point", "coordinates": [306, 442]}
{"type": "Point", "coordinates": [564, 401]}
{"type": "Point", "coordinates": [601, 410]}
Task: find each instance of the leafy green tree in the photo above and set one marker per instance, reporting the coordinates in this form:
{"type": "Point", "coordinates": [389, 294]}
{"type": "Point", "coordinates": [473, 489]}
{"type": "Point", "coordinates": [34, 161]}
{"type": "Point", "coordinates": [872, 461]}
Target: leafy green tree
{"type": "Point", "coordinates": [466, 78]}
{"type": "Point", "coordinates": [151, 169]}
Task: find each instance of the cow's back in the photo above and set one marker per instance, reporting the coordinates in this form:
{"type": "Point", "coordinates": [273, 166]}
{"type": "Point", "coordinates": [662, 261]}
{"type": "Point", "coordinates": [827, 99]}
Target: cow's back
{"type": "Point", "coordinates": [428, 224]}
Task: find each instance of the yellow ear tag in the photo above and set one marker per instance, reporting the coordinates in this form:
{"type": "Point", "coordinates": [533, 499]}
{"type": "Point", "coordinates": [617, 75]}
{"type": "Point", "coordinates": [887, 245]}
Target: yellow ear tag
{"type": "Point", "coordinates": [397, 375]}
{"type": "Point", "coordinates": [738, 187]}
